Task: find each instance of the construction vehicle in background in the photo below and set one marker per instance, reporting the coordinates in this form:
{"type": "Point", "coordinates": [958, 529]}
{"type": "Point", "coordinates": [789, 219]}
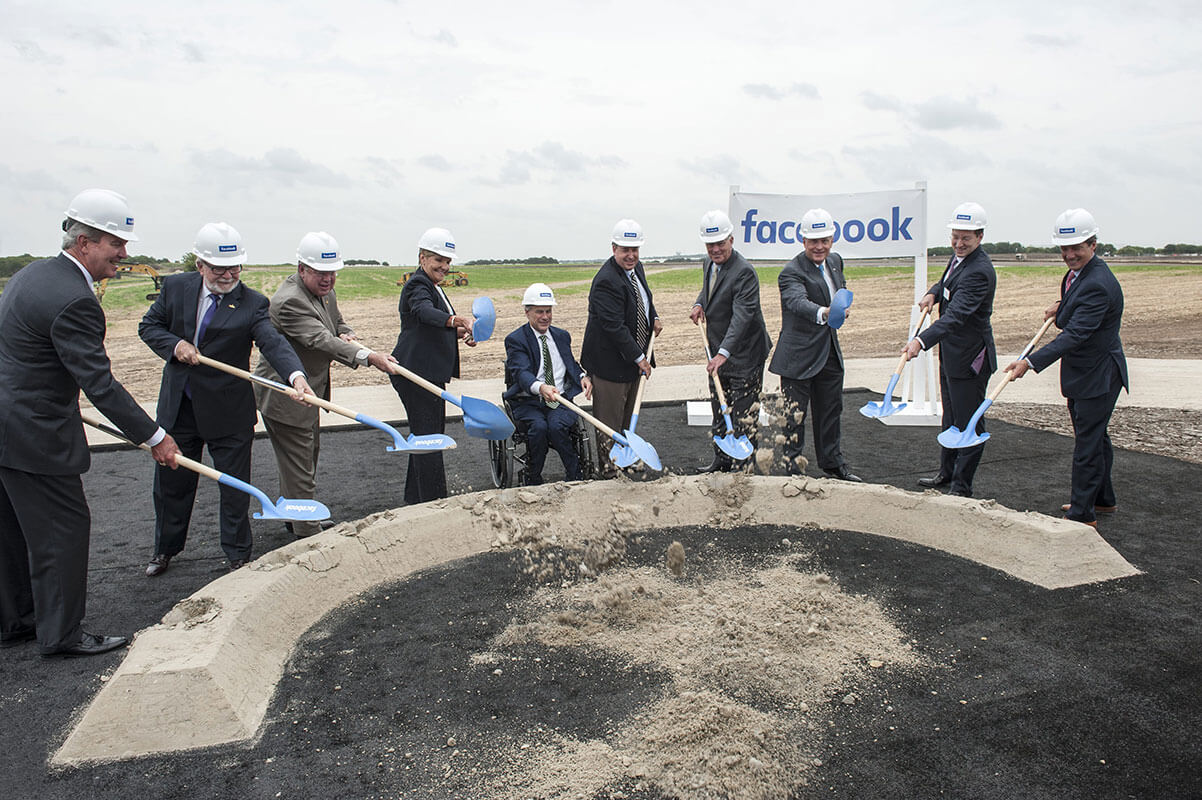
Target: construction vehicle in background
{"type": "Point", "coordinates": [143, 269]}
{"type": "Point", "coordinates": [453, 278]}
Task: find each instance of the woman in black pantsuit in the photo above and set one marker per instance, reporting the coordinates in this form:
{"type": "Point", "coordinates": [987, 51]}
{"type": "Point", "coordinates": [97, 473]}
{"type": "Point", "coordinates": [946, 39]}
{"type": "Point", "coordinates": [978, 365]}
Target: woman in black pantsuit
{"type": "Point", "coordinates": [428, 344]}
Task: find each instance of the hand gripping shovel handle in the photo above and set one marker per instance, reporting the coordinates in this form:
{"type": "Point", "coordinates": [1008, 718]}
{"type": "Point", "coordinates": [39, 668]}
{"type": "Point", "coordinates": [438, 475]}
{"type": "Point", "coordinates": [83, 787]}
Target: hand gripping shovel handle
{"type": "Point", "coordinates": [901, 364]}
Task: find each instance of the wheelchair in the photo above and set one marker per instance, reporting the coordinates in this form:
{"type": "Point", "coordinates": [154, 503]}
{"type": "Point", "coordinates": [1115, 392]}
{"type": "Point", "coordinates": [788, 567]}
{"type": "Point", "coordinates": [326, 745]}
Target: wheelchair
{"type": "Point", "coordinates": [508, 459]}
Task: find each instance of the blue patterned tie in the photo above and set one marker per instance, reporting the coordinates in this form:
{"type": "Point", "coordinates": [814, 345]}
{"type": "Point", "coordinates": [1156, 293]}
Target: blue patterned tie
{"type": "Point", "coordinates": [210, 312]}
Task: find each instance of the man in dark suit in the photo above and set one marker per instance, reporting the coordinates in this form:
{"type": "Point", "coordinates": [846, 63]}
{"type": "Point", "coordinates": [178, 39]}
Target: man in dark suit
{"type": "Point", "coordinates": [51, 347]}
{"type": "Point", "coordinates": [210, 311]}
{"type": "Point", "coordinates": [539, 367]}
{"type": "Point", "coordinates": [965, 338]}
{"type": "Point", "coordinates": [807, 358]}
{"type": "Point", "coordinates": [621, 320]}
{"type": "Point", "coordinates": [305, 310]}
{"type": "Point", "coordinates": [729, 304]}
{"type": "Point", "coordinates": [428, 345]}
{"type": "Point", "coordinates": [1092, 366]}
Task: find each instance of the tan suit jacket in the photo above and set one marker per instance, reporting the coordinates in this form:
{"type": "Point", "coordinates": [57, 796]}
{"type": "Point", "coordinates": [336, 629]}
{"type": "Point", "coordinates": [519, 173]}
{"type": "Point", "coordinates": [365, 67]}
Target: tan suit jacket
{"type": "Point", "coordinates": [312, 326]}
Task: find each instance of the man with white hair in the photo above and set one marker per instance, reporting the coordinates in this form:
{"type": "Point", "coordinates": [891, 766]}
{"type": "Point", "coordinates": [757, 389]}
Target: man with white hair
{"type": "Point", "coordinates": [729, 305]}
{"type": "Point", "coordinates": [539, 368]}
{"type": "Point", "coordinates": [305, 310]}
{"type": "Point", "coordinates": [51, 347]}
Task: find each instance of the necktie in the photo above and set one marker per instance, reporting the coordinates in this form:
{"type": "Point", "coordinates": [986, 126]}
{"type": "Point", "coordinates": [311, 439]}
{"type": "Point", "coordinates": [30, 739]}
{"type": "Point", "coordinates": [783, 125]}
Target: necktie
{"type": "Point", "coordinates": [548, 370]}
{"type": "Point", "coordinates": [713, 279]}
{"type": "Point", "coordinates": [1072, 276]}
{"type": "Point", "coordinates": [214, 301]}
{"type": "Point", "coordinates": [642, 332]}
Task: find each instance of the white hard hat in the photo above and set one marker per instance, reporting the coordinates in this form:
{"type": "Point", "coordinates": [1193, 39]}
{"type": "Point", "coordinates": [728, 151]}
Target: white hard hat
{"type": "Point", "coordinates": [715, 227]}
{"type": "Point", "coordinates": [219, 244]}
{"type": "Point", "coordinates": [320, 251]}
{"type": "Point", "coordinates": [967, 217]}
{"type": "Point", "coordinates": [1074, 226]}
{"type": "Point", "coordinates": [628, 233]}
{"type": "Point", "coordinates": [104, 210]}
{"type": "Point", "coordinates": [438, 240]}
{"type": "Point", "coordinates": [817, 224]}
{"type": "Point", "coordinates": [538, 294]}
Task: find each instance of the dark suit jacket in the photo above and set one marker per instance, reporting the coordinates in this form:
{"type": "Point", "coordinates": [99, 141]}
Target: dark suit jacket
{"type": "Point", "coordinates": [522, 355]}
{"type": "Point", "coordinates": [609, 350]}
{"type": "Point", "coordinates": [965, 306]}
{"type": "Point", "coordinates": [222, 403]}
{"type": "Point", "coordinates": [804, 346]}
{"type": "Point", "coordinates": [1089, 317]}
{"type": "Point", "coordinates": [51, 346]}
{"type": "Point", "coordinates": [425, 344]}
{"type": "Point", "coordinates": [733, 318]}
{"type": "Point", "coordinates": [312, 325]}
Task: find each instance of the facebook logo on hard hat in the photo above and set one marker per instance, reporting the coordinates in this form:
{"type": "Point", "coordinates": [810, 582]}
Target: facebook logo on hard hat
{"type": "Point", "coordinates": [226, 248]}
{"type": "Point", "coordinates": [629, 235]}
{"type": "Point", "coordinates": [714, 229]}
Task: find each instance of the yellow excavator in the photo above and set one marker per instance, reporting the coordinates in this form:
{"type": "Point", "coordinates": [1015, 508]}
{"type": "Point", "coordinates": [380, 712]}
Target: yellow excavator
{"type": "Point", "coordinates": [453, 278]}
{"type": "Point", "coordinates": [144, 269]}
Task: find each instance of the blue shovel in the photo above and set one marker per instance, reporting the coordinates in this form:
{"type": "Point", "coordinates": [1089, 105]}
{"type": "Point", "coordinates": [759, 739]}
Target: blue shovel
{"type": "Point", "coordinates": [481, 419]}
{"type": "Point", "coordinates": [400, 444]}
{"type": "Point", "coordinates": [625, 454]}
{"type": "Point", "coordinates": [954, 438]}
{"type": "Point", "coordinates": [486, 318]}
{"type": "Point", "coordinates": [885, 408]}
{"type": "Point", "coordinates": [838, 308]}
{"type": "Point", "coordinates": [293, 510]}
{"type": "Point", "coordinates": [739, 448]}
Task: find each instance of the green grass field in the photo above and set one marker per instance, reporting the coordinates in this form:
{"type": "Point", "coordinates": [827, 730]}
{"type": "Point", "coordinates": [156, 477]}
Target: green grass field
{"type": "Point", "coordinates": [365, 283]}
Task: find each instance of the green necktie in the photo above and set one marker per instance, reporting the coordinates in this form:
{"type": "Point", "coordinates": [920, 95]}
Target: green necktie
{"type": "Point", "coordinates": [548, 370]}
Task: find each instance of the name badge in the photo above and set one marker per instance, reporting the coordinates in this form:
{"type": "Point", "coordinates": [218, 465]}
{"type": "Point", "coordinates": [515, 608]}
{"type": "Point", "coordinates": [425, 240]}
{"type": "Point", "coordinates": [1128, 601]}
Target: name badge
{"type": "Point", "coordinates": [947, 295]}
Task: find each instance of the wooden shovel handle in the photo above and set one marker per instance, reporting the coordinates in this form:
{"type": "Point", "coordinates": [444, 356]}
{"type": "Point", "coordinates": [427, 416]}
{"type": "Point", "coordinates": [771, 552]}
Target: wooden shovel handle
{"type": "Point", "coordinates": [181, 460]}
{"type": "Point", "coordinates": [717, 383]}
{"type": "Point", "coordinates": [638, 398]}
{"type": "Point", "coordinates": [1026, 352]}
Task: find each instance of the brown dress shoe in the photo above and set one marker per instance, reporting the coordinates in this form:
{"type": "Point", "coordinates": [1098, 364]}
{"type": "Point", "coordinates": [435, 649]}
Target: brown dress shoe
{"type": "Point", "coordinates": [1093, 523]}
{"type": "Point", "coordinates": [158, 565]}
{"type": "Point", "coordinates": [1096, 509]}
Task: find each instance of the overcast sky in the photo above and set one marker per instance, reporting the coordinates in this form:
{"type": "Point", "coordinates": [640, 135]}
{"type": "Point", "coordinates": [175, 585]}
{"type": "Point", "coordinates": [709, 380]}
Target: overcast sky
{"type": "Point", "coordinates": [529, 128]}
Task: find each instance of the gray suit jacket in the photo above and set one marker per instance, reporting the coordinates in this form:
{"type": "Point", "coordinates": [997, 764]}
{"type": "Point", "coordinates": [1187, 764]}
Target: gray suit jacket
{"type": "Point", "coordinates": [733, 318]}
{"type": "Point", "coordinates": [51, 346]}
{"type": "Point", "coordinates": [312, 326]}
{"type": "Point", "coordinates": [804, 346]}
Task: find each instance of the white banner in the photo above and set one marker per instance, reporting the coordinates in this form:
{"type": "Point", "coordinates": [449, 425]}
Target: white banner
{"type": "Point", "coordinates": [867, 225]}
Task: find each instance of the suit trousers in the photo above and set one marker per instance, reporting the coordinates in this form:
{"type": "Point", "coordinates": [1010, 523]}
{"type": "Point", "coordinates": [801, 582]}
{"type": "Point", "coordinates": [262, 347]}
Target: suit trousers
{"type": "Point", "coordinates": [1093, 456]}
{"type": "Point", "coordinates": [426, 477]}
{"type": "Point", "coordinates": [961, 399]}
{"type": "Point", "coordinates": [742, 398]}
{"type": "Point", "coordinates": [547, 426]}
{"type": "Point", "coordinates": [175, 490]}
{"type": "Point", "coordinates": [613, 404]}
{"type": "Point", "coordinates": [823, 393]}
{"type": "Point", "coordinates": [296, 451]}
{"type": "Point", "coordinates": [45, 527]}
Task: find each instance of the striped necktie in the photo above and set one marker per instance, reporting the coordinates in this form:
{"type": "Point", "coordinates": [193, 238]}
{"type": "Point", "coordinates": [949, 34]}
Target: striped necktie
{"type": "Point", "coordinates": [548, 370]}
{"type": "Point", "coordinates": [642, 331]}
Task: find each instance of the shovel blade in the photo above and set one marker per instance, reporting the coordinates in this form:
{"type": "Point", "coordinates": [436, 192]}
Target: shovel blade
{"type": "Point", "coordinates": [294, 510]}
{"type": "Point", "coordinates": [486, 318]}
{"type": "Point", "coordinates": [955, 439]}
{"type": "Point", "coordinates": [885, 408]}
{"type": "Point", "coordinates": [426, 443]}
{"type": "Point", "coordinates": [739, 448]}
{"type": "Point", "coordinates": [636, 449]}
{"type": "Point", "coordinates": [484, 420]}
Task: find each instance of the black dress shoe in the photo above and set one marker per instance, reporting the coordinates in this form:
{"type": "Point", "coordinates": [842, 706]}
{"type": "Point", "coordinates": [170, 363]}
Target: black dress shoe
{"type": "Point", "coordinates": [716, 466]}
{"type": "Point", "coordinates": [843, 474]}
{"type": "Point", "coordinates": [238, 563]}
{"type": "Point", "coordinates": [90, 644]}
{"type": "Point", "coordinates": [935, 481]}
{"type": "Point", "coordinates": [158, 565]}
{"type": "Point", "coordinates": [326, 524]}
{"type": "Point", "coordinates": [17, 637]}
{"type": "Point", "coordinates": [959, 492]}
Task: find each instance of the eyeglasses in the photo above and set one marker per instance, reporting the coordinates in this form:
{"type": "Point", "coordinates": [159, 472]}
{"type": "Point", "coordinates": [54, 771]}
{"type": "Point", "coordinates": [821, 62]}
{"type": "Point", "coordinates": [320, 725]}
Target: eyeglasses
{"type": "Point", "coordinates": [222, 270]}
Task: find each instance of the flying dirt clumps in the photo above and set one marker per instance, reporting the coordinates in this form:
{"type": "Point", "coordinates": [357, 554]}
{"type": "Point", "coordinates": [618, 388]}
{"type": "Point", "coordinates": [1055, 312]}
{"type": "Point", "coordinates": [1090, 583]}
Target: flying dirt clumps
{"type": "Point", "coordinates": [756, 659]}
{"type": "Point", "coordinates": [675, 559]}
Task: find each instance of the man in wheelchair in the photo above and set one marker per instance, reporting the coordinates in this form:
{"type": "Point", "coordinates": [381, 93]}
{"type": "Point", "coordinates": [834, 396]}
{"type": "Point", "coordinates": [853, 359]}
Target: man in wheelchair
{"type": "Point", "coordinates": [538, 362]}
